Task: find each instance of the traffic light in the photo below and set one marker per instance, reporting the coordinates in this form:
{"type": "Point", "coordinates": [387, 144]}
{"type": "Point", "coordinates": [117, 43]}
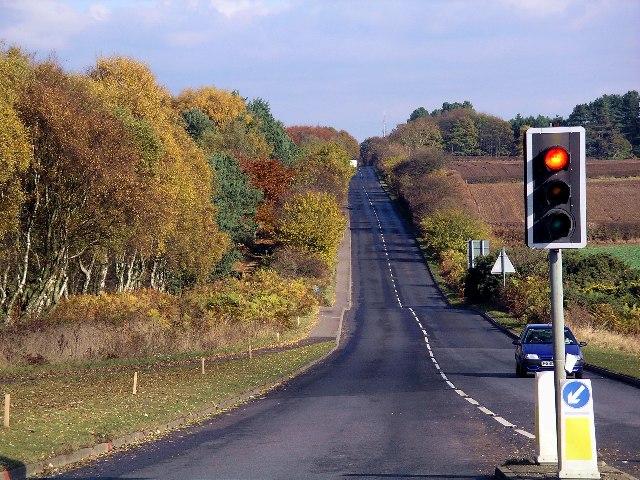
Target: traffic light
{"type": "Point", "coordinates": [555, 187]}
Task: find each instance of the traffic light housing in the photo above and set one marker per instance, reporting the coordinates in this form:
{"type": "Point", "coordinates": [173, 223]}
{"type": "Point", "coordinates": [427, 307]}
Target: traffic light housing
{"type": "Point", "coordinates": [555, 188]}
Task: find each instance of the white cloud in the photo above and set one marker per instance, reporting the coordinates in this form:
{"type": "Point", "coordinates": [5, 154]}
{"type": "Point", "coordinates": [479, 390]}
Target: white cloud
{"type": "Point", "coordinates": [187, 39]}
{"type": "Point", "coordinates": [99, 12]}
{"type": "Point", "coordinates": [44, 24]}
{"type": "Point", "coordinates": [540, 8]}
{"type": "Point", "coordinates": [231, 8]}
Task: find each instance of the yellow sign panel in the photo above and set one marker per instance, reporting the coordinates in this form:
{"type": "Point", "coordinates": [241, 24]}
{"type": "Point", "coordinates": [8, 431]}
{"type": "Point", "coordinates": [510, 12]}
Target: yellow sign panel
{"type": "Point", "coordinates": [578, 438]}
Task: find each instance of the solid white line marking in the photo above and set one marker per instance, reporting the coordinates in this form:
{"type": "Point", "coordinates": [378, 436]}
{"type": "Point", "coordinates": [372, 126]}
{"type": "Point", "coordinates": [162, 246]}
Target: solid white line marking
{"type": "Point", "coordinates": [461, 393]}
{"type": "Point", "coordinates": [424, 332]}
{"type": "Point", "coordinates": [444, 377]}
{"type": "Point", "coordinates": [437, 366]}
{"type": "Point", "coordinates": [471, 401]}
{"type": "Point", "coordinates": [428, 346]}
{"type": "Point", "coordinates": [431, 353]}
{"type": "Point", "coordinates": [486, 410]}
{"type": "Point", "coordinates": [450, 384]}
{"type": "Point", "coordinates": [525, 433]}
{"type": "Point", "coordinates": [434, 360]}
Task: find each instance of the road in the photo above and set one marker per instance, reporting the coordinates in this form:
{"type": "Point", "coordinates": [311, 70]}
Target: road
{"type": "Point", "coordinates": [418, 389]}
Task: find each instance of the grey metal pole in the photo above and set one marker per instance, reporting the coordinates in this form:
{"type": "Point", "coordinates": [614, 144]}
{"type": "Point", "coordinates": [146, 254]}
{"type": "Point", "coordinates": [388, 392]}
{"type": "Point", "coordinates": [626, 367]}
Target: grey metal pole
{"type": "Point", "coordinates": [504, 274]}
{"type": "Point", "coordinates": [557, 320]}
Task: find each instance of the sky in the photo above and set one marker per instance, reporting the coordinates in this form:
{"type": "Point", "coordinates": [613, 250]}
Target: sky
{"type": "Point", "coordinates": [355, 65]}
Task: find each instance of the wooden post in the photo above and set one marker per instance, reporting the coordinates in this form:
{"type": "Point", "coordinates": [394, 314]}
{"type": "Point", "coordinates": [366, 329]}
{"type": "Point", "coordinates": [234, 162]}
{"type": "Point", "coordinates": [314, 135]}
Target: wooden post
{"type": "Point", "coordinates": [202, 365]}
{"type": "Point", "coordinates": [278, 337]}
{"type": "Point", "coordinates": [250, 352]}
{"type": "Point", "coordinates": [135, 383]}
{"type": "Point", "coordinates": [298, 321]}
{"type": "Point", "coordinates": [7, 407]}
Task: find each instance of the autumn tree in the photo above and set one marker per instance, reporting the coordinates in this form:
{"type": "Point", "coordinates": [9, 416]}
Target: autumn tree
{"type": "Point", "coordinates": [304, 135]}
{"type": "Point", "coordinates": [180, 232]}
{"type": "Point", "coordinates": [15, 147]}
{"type": "Point", "coordinates": [77, 190]}
{"type": "Point", "coordinates": [221, 106]}
{"type": "Point", "coordinates": [421, 132]}
{"type": "Point", "coordinates": [274, 180]}
{"type": "Point", "coordinates": [312, 223]}
{"type": "Point", "coordinates": [495, 137]}
{"type": "Point", "coordinates": [324, 167]}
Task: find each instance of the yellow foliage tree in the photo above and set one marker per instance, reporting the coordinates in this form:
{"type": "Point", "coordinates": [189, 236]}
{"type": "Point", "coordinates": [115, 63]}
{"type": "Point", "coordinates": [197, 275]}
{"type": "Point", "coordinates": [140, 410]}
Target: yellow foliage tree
{"type": "Point", "coordinates": [325, 166]}
{"type": "Point", "coordinates": [221, 106]}
{"type": "Point", "coordinates": [312, 222]}
{"type": "Point", "coordinates": [178, 223]}
{"type": "Point", "coordinates": [15, 149]}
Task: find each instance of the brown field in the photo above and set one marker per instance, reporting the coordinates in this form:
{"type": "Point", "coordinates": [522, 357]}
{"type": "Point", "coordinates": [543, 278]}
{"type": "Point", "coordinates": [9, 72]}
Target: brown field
{"type": "Point", "coordinates": [613, 197]}
{"type": "Point", "coordinates": [510, 170]}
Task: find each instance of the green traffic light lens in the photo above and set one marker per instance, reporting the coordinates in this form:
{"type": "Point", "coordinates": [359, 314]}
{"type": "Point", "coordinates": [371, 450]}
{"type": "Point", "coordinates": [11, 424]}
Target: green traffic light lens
{"type": "Point", "coordinates": [559, 225]}
{"type": "Point", "coordinates": [557, 192]}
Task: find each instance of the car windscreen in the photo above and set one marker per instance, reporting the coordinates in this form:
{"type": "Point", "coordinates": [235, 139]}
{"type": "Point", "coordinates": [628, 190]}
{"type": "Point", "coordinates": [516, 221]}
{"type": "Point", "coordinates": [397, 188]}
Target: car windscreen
{"type": "Point", "coordinates": [544, 335]}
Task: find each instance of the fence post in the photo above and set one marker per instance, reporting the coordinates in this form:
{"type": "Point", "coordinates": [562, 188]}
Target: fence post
{"type": "Point", "coordinates": [7, 407]}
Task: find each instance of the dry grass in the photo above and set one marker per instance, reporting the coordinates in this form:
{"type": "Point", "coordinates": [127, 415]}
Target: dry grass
{"type": "Point", "coordinates": [60, 343]}
{"type": "Point", "coordinates": [606, 339]}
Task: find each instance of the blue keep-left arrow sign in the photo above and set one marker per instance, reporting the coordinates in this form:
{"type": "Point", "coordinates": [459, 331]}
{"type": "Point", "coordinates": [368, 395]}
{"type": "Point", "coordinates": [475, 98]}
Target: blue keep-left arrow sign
{"type": "Point", "coordinates": [576, 394]}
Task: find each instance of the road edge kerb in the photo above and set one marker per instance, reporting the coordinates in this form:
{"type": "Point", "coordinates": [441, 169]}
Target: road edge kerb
{"type": "Point", "coordinates": [543, 472]}
{"type": "Point", "coordinates": [92, 452]}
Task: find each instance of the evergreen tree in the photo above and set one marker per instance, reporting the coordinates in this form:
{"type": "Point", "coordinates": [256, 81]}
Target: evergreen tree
{"type": "Point", "coordinates": [284, 149]}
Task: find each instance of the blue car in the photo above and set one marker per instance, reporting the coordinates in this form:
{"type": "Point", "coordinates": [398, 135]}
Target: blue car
{"type": "Point", "coordinates": [534, 350]}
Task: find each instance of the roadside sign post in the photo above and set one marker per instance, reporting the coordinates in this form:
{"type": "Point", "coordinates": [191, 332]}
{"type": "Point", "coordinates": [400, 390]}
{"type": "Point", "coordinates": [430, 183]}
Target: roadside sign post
{"type": "Point", "coordinates": [557, 320]}
{"type": "Point", "coordinates": [476, 248]}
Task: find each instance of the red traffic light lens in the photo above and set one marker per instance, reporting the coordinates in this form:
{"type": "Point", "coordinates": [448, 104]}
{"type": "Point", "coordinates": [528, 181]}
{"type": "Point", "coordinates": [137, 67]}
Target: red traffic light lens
{"type": "Point", "coordinates": [556, 158]}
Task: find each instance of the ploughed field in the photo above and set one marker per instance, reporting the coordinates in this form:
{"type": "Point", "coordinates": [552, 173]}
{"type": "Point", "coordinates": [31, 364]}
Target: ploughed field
{"type": "Point", "coordinates": [495, 187]}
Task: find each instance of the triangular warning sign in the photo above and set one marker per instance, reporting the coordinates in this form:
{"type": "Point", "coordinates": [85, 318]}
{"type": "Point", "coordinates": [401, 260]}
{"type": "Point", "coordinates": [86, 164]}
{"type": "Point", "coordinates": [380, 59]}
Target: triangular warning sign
{"type": "Point", "coordinates": [503, 260]}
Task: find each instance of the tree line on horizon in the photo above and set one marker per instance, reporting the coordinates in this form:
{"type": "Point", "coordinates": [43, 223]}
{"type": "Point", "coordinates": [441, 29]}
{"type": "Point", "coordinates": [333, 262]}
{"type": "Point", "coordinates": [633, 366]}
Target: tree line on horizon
{"type": "Point", "coordinates": [612, 124]}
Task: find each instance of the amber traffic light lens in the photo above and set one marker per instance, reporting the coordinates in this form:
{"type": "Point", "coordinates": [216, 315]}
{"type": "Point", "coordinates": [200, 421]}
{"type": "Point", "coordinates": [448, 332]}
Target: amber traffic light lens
{"type": "Point", "coordinates": [556, 158]}
{"type": "Point", "coordinates": [557, 192]}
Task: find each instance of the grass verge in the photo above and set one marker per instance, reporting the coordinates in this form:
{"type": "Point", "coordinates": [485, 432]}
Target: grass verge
{"type": "Point", "coordinates": [611, 359]}
{"type": "Point", "coordinates": [56, 415]}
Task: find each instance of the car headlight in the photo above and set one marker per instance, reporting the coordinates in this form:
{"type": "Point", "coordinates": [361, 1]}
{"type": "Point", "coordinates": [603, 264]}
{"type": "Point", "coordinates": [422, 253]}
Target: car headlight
{"type": "Point", "coordinates": [532, 356]}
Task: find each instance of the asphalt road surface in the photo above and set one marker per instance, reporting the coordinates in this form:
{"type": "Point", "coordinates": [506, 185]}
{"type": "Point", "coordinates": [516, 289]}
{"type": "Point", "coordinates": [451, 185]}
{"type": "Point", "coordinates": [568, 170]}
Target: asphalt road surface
{"type": "Point", "coordinates": [418, 389]}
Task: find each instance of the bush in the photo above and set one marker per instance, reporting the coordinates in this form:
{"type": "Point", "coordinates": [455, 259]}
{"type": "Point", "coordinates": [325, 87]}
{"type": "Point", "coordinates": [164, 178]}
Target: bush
{"type": "Point", "coordinates": [527, 297]}
{"type": "Point", "coordinates": [292, 263]}
{"type": "Point", "coordinates": [453, 268]}
{"type": "Point", "coordinates": [480, 284]}
{"type": "Point", "coordinates": [451, 230]}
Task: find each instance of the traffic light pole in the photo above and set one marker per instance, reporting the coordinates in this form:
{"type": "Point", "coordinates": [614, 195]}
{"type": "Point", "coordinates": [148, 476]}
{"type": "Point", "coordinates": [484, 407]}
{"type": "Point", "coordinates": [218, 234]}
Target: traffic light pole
{"type": "Point", "coordinates": [557, 320]}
